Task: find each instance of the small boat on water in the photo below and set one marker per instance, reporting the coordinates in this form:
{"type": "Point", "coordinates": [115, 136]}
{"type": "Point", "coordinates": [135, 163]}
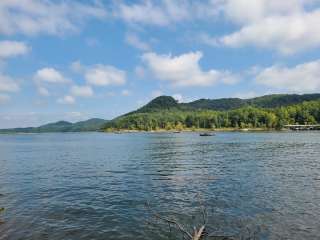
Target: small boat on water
{"type": "Point", "coordinates": [177, 132]}
{"type": "Point", "coordinates": [206, 134]}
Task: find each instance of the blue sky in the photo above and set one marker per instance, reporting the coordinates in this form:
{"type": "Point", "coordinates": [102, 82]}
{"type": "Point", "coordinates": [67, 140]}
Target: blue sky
{"type": "Point", "coordinates": [75, 60]}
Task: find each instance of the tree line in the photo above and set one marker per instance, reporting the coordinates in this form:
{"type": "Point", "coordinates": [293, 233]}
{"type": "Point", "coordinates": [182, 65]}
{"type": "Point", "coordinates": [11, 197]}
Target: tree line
{"type": "Point", "coordinates": [245, 117]}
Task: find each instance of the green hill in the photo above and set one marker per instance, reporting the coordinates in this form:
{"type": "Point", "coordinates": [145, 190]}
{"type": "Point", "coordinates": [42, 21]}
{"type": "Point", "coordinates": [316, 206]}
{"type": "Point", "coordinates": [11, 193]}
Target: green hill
{"type": "Point", "coordinates": [164, 112]}
{"type": "Point", "coordinates": [270, 111]}
{"type": "Point", "coordinates": [268, 101]}
{"type": "Point", "coordinates": [93, 124]}
{"type": "Point", "coordinates": [225, 104]}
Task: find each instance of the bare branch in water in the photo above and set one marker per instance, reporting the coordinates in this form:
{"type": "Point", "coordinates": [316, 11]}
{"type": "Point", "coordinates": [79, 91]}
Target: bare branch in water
{"type": "Point", "coordinates": [197, 234]}
{"type": "Point", "coordinates": [169, 221]}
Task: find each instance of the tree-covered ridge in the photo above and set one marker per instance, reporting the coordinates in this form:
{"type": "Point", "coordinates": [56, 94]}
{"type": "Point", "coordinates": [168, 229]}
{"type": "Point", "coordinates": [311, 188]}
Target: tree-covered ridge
{"type": "Point", "coordinates": [93, 124]}
{"type": "Point", "coordinates": [225, 104]}
{"type": "Point", "coordinates": [244, 117]}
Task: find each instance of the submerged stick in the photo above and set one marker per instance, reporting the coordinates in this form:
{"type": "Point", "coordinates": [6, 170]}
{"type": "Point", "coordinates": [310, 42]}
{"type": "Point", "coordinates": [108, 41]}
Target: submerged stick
{"type": "Point", "coordinates": [197, 235]}
{"type": "Point", "coordinates": [170, 221]}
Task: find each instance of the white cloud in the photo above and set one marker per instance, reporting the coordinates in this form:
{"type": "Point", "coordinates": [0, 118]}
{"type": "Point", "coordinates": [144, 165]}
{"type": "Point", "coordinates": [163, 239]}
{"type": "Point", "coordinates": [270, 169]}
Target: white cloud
{"type": "Point", "coordinates": [145, 12]}
{"type": "Point", "coordinates": [7, 84]}
{"type": "Point", "coordinates": [165, 12]}
{"type": "Point", "coordinates": [133, 40]}
{"type": "Point", "coordinates": [104, 75]}
{"type": "Point", "coordinates": [285, 26]}
{"type": "Point", "coordinates": [81, 91]}
{"type": "Point", "coordinates": [248, 11]}
{"type": "Point", "coordinates": [66, 100]}
{"type": "Point", "coordinates": [184, 70]}
{"type": "Point", "coordinates": [178, 97]}
{"type": "Point", "coordinates": [32, 17]}
{"type": "Point", "coordinates": [300, 78]}
{"type": "Point", "coordinates": [4, 98]}
{"type": "Point", "coordinates": [286, 34]}
{"type": "Point", "coordinates": [50, 75]}
{"type": "Point", "coordinates": [13, 48]}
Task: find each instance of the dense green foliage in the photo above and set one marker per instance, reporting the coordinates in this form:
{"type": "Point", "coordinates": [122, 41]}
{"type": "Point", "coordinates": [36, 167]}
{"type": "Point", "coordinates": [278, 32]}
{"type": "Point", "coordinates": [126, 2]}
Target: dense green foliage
{"type": "Point", "coordinates": [225, 104]}
{"type": "Point", "coordinates": [93, 124]}
{"type": "Point", "coordinates": [246, 116]}
{"type": "Point", "coordinates": [268, 101]}
{"type": "Point", "coordinates": [160, 103]}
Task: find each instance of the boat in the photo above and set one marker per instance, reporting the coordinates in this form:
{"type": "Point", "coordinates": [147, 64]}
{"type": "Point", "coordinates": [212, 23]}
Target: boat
{"type": "Point", "coordinates": [206, 134]}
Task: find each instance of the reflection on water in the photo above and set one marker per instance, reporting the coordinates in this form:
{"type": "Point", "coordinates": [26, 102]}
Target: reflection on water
{"type": "Point", "coordinates": [95, 185]}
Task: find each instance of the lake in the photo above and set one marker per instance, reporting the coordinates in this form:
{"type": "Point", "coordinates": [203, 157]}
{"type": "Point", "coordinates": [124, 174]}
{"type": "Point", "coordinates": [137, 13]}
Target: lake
{"type": "Point", "coordinates": [95, 185]}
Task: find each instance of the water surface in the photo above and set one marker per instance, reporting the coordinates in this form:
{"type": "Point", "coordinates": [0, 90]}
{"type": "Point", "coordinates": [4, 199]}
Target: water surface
{"type": "Point", "coordinates": [95, 185]}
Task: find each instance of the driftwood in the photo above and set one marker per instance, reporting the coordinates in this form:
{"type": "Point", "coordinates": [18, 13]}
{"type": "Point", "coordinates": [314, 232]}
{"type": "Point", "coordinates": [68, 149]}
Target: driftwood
{"type": "Point", "coordinates": [198, 233]}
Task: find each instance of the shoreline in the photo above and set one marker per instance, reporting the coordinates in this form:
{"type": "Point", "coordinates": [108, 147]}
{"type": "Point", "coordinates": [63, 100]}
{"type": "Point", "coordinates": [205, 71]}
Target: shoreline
{"type": "Point", "coordinates": [195, 130]}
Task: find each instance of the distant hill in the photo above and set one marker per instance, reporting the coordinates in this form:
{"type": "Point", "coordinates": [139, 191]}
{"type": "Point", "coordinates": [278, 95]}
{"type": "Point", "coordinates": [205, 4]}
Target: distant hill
{"type": "Point", "coordinates": [93, 124]}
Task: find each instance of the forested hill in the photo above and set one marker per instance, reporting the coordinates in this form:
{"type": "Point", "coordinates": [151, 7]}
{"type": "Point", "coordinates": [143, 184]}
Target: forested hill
{"type": "Point", "coordinates": [271, 111]}
{"type": "Point", "coordinates": [224, 104]}
{"type": "Point", "coordinates": [93, 124]}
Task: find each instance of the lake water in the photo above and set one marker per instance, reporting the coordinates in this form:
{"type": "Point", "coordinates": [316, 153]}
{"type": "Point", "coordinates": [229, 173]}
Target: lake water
{"type": "Point", "coordinates": [95, 185]}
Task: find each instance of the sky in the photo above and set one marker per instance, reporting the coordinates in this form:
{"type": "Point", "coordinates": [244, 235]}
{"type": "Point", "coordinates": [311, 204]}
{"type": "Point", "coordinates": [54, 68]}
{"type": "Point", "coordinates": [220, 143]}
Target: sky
{"type": "Point", "coordinates": [74, 60]}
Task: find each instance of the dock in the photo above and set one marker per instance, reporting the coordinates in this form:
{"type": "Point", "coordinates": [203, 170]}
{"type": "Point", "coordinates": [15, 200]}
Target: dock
{"type": "Point", "coordinates": [306, 127]}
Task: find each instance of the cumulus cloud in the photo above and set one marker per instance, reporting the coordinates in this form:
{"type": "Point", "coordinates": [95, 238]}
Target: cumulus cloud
{"type": "Point", "coordinates": [8, 84]}
{"type": "Point", "coordinates": [248, 11]}
{"type": "Point", "coordinates": [66, 100]}
{"type": "Point", "coordinates": [32, 17]}
{"type": "Point", "coordinates": [164, 12]}
{"type": "Point", "coordinates": [145, 12]}
{"type": "Point", "coordinates": [81, 91]}
{"type": "Point", "coordinates": [13, 48]}
{"type": "Point", "coordinates": [50, 75]}
{"type": "Point", "coordinates": [300, 78]}
{"type": "Point", "coordinates": [184, 70]}
{"type": "Point", "coordinates": [104, 75]}
{"type": "Point", "coordinates": [286, 34]}
{"type": "Point", "coordinates": [133, 40]}
{"type": "Point", "coordinates": [285, 26]}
